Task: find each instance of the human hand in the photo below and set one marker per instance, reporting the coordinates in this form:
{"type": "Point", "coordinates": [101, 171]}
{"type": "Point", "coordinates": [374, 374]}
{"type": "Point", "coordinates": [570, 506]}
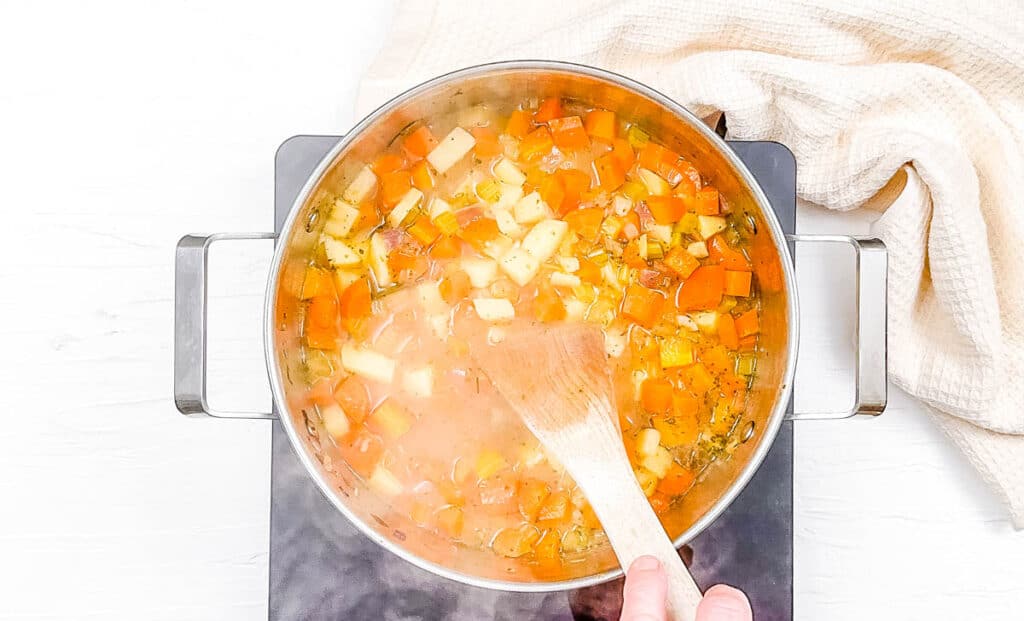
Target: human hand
{"type": "Point", "coordinates": [645, 592]}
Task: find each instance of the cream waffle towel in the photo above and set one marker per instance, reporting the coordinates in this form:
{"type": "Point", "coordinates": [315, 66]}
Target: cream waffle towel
{"type": "Point", "coordinates": [861, 92]}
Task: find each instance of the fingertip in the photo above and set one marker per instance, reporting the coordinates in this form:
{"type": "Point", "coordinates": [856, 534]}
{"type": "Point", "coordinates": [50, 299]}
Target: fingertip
{"type": "Point", "coordinates": [724, 603]}
{"type": "Point", "coordinates": [645, 591]}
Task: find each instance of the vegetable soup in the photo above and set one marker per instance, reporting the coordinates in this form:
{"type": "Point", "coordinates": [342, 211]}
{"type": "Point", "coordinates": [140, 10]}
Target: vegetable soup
{"type": "Point", "coordinates": [472, 225]}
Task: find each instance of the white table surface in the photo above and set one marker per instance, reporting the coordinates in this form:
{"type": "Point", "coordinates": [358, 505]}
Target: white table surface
{"type": "Point", "coordinates": [124, 126]}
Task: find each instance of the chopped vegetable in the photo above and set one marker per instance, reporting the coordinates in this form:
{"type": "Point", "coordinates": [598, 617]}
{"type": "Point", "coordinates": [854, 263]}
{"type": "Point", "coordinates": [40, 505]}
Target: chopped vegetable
{"type": "Point", "coordinates": [676, 352]}
{"type": "Point", "coordinates": [747, 324]}
{"type": "Point", "coordinates": [642, 305]}
{"type": "Point", "coordinates": [361, 187]}
{"type": "Point", "coordinates": [530, 209]}
{"type": "Point", "coordinates": [666, 209]}
{"type": "Point", "coordinates": [452, 148]}
{"type": "Point", "coordinates": [600, 125]}
{"type": "Point", "coordinates": [550, 108]}
{"type": "Point", "coordinates": [420, 142]}
{"type": "Point", "coordinates": [519, 124]}
{"type": "Point", "coordinates": [390, 420]}
{"type": "Point", "coordinates": [367, 363]}
{"type": "Point", "coordinates": [709, 225]}
{"type": "Point", "coordinates": [702, 290]}
{"type": "Point", "coordinates": [494, 309]}
{"type": "Point", "coordinates": [737, 283]}
{"type": "Point", "coordinates": [681, 262]}
{"type": "Point", "coordinates": [568, 133]}
{"type": "Point", "coordinates": [343, 218]}
{"type": "Point", "coordinates": [610, 172]}
{"type": "Point", "coordinates": [520, 265]}
{"type": "Point", "coordinates": [536, 144]}
{"type": "Point", "coordinates": [544, 238]}
{"type": "Point", "coordinates": [508, 172]}
{"type": "Point", "coordinates": [586, 222]}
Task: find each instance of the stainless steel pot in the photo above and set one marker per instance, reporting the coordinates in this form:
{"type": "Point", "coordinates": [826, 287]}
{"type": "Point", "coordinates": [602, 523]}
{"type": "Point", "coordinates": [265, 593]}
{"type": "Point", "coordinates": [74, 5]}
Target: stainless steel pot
{"type": "Point", "coordinates": [661, 116]}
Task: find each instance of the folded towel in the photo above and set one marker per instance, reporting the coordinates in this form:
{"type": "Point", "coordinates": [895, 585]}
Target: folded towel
{"type": "Point", "coordinates": [862, 92]}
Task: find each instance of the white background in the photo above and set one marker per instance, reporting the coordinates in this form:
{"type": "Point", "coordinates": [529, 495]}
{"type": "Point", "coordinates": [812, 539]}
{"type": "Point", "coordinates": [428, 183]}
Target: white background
{"type": "Point", "coordinates": [124, 126]}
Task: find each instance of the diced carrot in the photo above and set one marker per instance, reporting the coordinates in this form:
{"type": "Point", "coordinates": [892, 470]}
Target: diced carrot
{"type": "Point", "coordinates": [451, 520]}
{"type": "Point", "coordinates": [423, 230]}
{"type": "Point", "coordinates": [737, 283]}
{"type": "Point", "coordinates": [631, 255]}
{"type": "Point", "coordinates": [454, 287]}
{"type": "Point", "coordinates": [552, 191]}
{"type": "Point", "coordinates": [531, 495]}
{"type": "Point", "coordinates": [446, 247]}
{"type": "Point", "coordinates": [389, 162]}
{"type": "Point", "coordinates": [716, 360]}
{"type": "Point", "coordinates": [550, 108]}
{"type": "Point", "coordinates": [677, 481]}
{"type": "Point", "coordinates": [321, 338]}
{"type": "Point", "coordinates": [705, 201]}
{"type": "Point", "coordinates": [656, 395]}
{"type": "Point", "coordinates": [420, 142]}
{"type": "Point", "coordinates": [586, 222]}
{"type": "Point", "coordinates": [662, 161]}
{"type": "Point", "coordinates": [519, 124]}
{"type": "Point", "coordinates": [317, 282]}
{"type": "Point", "coordinates": [515, 542]}
{"type": "Point", "coordinates": [356, 304]}
{"type": "Point", "coordinates": [556, 506]}
{"type": "Point", "coordinates": [642, 305]}
{"type": "Point", "coordinates": [623, 152]}
{"type": "Point", "coordinates": [698, 380]}
{"type": "Point", "coordinates": [666, 209]}
{"type": "Point", "coordinates": [353, 397]}
{"type": "Point", "coordinates": [610, 172]}
{"type": "Point", "coordinates": [720, 252]}
{"type": "Point", "coordinates": [393, 186]}
{"type": "Point", "coordinates": [369, 216]}
{"type": "Point", "coordinates": [568, 133]}
{"type": "Point", "coordinates": [479, 232]}
{"type": "Point", "coordinates": [600, 124]}
{"type": "Point", "coordinates": [487, 145]}
{"type": "Point", "coordinates": [404, 259]}
{"type": "Point", "coordinates": [548, 306]}
{"type": "Point", "coordinates": [536, 144]}
{"type": "Point", "coordinates": [747, 324]}
{"type": "Point", "coordinates": [589, 272]}
{"type": "Point", "coordinates": [574, 183]}
{"type": "Point", "coordinates": [547, 550]}
{"type": "Point", "coordinates": [681, 262]}
{"type": "Point", "coordinates": [702, 290]}
{"type": "Point", "coordinates": [362, 452]}
{"type": "Point", "coordinates": [323, 311]}
{"type": "Point", "coordinates": [727, 331]}
{"type": "Point", "coordinates": [422, 180]}
{"type": "Point", "coordinates": [748, 343]}
{"type": "Point", "coordinates": [659, 502]}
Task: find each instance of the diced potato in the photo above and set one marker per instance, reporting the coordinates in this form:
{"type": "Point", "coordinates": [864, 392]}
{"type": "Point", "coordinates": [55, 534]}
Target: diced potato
{"type": "Point", "coordinates": [495, 335]}
{"type": "Point", "coordinates": [654, 184]}
{"type": "Point", "coordinates": [367, 363]}
{"type": "Point", "coordinates": [344, 278]}
{"type": "Point", "coordinates": [476, 116]}
{"type": "Point", "coordinates": [706, 321]}
{"type": "Point", "coordinates": [488, 463]}
{"type": "Point", "coordinates": [430, 297]}
{"type": "Point", "coordinates": [439, 326]}
{"type": "Point", "coordinates": [647, 442]}
{"type": "Point", "coordinates": [544, 238]}
{"type": "Point", "coordinates": [419, 382]}
{"type": "Point", "coordinates": [510, 196]}
{"type": "Point", "coordinates": [685, 321]}
{"type": "Point", "coordinates": [610, 276]}
{"type": "Point", "coordinates": [709, 225]}
{"type": "Point", "coordinates": [520, 265]}
{"type": "Point", "coordinates": [405, 205]}
{"type": "Point", "coordinates": [676, 352]}
{"type": "Point", "coordinates": [621, 205]}
{"type": "Point", "coordinates": [660, 232]}
{"type": "Point", "coordinates": [576, 539]}
{"type": "Point", "coordinates": [339, 254]}
{"type": "Point", "coordinates": [615, 343]}
{"type": "Point", "coordinates": [648, 480]}
{"type": "Point", "coordinates": [658, 462]}
{"type": "Point", "coordinates": [698, 249]}
{"type": "Point", "coordinates": [336, 423]}
{"type": "Point", "coordinates": [561, 279]}
{"type": "Point", "coordinates": [515, 542]}
{"type": "Point", "coordinates": [451, 149]}
{"type": "Point", "coordinates": [531, 208]}
{"type": "Point", "coordinates": [378, 261]}
{"type": "Point", "coordinates": [497, 247]}
{"type": "Point", "coordinates": [481, 272]}
{"type": "Point", "coordinates": [507, 223]}
{"type": "Point", "coordinates": [437, 207]}
{"type": "Point", "coordinates": [494, 309]}
{"type": "Point", "coordinates": [575, 310]}
{"type": "Point", "coordinates": [343, 217]}
{"type": "Point", "coordinates": [509, 172]}
{"type": "Point", "coordinates": [364, 183]}
{"type": "Point", "coordinates": [390, 419]}
{"type": "Point", "coordinates": [569, 264]}
{"type": "Point", "coordinates": [384, 482]}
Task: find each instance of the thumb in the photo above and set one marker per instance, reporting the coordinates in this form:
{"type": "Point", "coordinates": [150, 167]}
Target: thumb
{"type": "Point", "coordinates": [645, 591]}
{"type": "Point", "coordinates": [724, 603]}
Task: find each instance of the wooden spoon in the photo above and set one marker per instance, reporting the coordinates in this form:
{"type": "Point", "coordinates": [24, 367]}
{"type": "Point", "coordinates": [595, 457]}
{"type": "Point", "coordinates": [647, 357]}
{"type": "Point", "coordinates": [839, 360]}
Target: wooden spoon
{"type": "Point", "coordinates": [557, 380]}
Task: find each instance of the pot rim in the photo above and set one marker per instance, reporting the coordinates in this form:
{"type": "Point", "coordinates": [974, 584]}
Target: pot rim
{"type": "Point", "coordinates": [774, 420]}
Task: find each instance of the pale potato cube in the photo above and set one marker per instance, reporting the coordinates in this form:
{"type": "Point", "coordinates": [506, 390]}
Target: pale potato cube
{"type": "Point", "coordinates": [451, 149]}
{"type": "Point", "coordinates": [544, 238]}
{"type": "Point", "coordinates": [437, 207]}
{"type": "Point", "coordinates": [509, 172]}
{"type": "Point", "coordinates": [429, 297]}
{"type": "Point", "coordinates": [706, 321]}
{"type": "Point", "coordinates": [343, 218]}
{"type": "Point", "coordinates": [509, 197]}
{"type": "Point", "coordinates": [569, 264]}
{"type": "Point", "coordinates": [575, 309]}
{"type": "Point", "coordinates": [495, 335]}
{"type": "Point", "coordinates": [439, 326]}
{"type": "Point", "coordinates": [709, 225]}
{"type": "Point", "coordinates": [494, 309]}
{"type": "Point", "coordinates": [658, 462]}
{"type": "Point", "coordinates": [498, 246]}
{"type": "Point", "coordinates": [615, 343]}
{"type": "Point", "coordinates": [481, 272]}
{"type": "Point", "coordinates": [647, 480]}
{"type": "Point", "coordinates": [379, 261]}
{"type": "Point", "coordinates": [654, 184]}
{"type": "Point", "coordinates": [531, 208]}
{"type": "Point", "coordinates": [405, 205]}
{"type": "Point", "coordinates": [507, 223]}
{"type": "Point", "coordinates": [343, 279]}
{"type": "Point", "coordinates": [520, 265]}
{"type": "Point", "coordinates": [647, 442]}
{"type": "Point", "coordinates": [698, 249]}
{"type": "Point", "coordinates": [561, 279]}
{"type": "Point", "coordinates": [367, 363]}
{"type": "Point", "coordinates": [419, 382]}
{"type": "Point", "coordinates": [621, 205]}
{"type": "Point", "coordinates": [336, 423]}
{"type": "Point", "coordinates": [364, 183]}
{"type": "Point", "coordinates": [660, 232]}
{"type": "Point", "coordinates": [686, 322]}
{"type": "Point", "coordinates": [339, 254]}
{"type": "Point", "coordinates": [384, 482]}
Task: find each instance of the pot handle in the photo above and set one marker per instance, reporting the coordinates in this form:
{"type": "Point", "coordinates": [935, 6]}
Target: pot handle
{"type": "Point", "coordinates": [191, 258]}
{"type": "Point", "coordinates": [871, 390]}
